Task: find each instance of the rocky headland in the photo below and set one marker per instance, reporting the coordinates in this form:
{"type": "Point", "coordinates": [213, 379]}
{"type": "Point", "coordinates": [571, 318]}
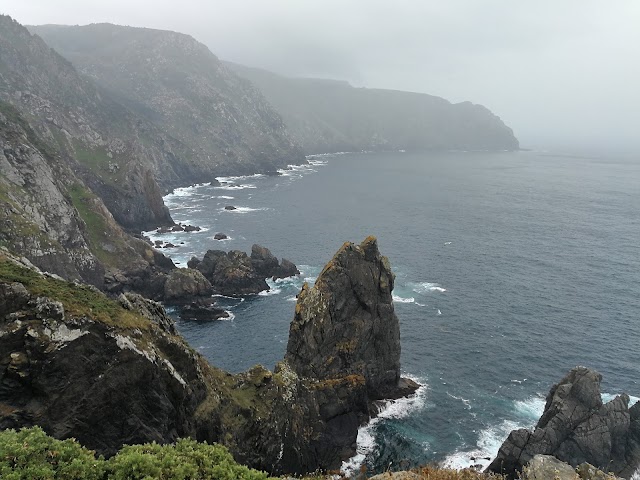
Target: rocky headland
{"type": "Point", "coordinates": [79, 364]}
{"type": "Point", "coordinates": [326, 116]}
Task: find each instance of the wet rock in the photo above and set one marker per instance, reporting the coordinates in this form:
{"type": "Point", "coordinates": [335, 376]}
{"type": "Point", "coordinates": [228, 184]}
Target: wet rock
{"type": "Point", "coordinates": [220, 236]}
{"type": "Point", "coordinates": [191, 228]}
{"type": "Point", "coordinates": [236, 273]}
{"type": "Point", "coordinates": [263, 261]}
{"type": "Point", "coordinates": [202, 311]}
{"type": "Point", "coordinates": [576, 427]}
{"type": "Point", "coordinates": [230, 207]}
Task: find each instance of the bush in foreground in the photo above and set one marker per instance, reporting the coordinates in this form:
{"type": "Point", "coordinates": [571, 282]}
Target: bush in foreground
{"type": "Point", "coordinates": [30, 454]}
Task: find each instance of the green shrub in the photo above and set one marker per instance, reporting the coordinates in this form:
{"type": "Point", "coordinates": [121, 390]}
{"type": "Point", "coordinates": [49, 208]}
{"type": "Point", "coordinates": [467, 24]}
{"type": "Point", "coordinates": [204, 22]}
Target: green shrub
{"type": "Point", "coordinates": [186, 460]}
{"type": "Point", "coordinates": [30, 454]}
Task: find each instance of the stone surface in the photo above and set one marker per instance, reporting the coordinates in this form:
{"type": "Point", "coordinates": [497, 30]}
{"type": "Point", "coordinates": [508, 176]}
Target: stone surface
{"type": "Point", "coordinates": [546, 467]}
{"type": "Point", "coordinates": [346, 324]}
{"type": "Point", "coordinates": [396, 476]}
{"type": "Point", "coordinates": [577, 427]}
{"type": "Point", "coordinates": [236, 273]}
{"type": "Point", "coordinates": [183, 285]}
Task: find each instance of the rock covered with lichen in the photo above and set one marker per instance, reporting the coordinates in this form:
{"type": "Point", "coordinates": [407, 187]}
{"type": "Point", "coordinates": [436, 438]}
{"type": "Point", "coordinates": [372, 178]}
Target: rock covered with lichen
{"type": "Point", "coordinates": [346, 325]}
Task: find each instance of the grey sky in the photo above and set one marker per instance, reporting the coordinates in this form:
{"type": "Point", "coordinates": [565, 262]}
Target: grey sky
{"type": "Point", "coordinates": [560, 72]}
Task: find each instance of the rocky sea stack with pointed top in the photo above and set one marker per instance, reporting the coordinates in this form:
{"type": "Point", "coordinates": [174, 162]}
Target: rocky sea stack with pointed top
{"type": "Point", "coordinates": [577, 427]}
{"type": "Point", "coordinates": [346, 324]}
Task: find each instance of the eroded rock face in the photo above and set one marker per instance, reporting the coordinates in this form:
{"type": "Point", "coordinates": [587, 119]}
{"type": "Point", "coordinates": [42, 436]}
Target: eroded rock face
{"type": "Point", "coordinates": [576, 427]}
{"type": "Point", "coordinates": [103, 384]}
{"type": "Point", "coordinates": [346, 324]}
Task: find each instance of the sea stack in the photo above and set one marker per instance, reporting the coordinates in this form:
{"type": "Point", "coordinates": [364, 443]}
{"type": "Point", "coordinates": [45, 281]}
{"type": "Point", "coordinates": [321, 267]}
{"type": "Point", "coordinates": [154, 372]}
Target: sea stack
{"type": "Point", "coordinates": [346, 325]}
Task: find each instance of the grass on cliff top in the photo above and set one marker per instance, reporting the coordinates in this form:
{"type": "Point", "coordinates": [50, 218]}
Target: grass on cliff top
{"type": "Point", "coordinates": [78, 300]}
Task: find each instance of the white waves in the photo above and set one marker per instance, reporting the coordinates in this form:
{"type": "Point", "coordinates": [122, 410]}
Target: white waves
{"type": "Point", "coordinates": [392, 409]}
{"type": "Point", "coordinates": [242, 210]}
{"type": "Point", "coordinates": [399, 299]}
{"type": "Point", "coordinates": [426, 287]}
{"type": "Point", "coordinates": [490, 439]}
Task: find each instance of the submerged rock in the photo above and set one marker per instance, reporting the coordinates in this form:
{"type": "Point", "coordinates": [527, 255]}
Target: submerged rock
{"type": "Point", "coordinates": [576, 427]}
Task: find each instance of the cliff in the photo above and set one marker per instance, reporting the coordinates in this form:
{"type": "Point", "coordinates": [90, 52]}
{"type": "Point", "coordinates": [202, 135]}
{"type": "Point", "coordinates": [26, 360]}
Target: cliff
{"type": "Point", "coordinates": [174, 82]}
{"type": "Point", "coordinates": [330, 116]}
{"type": "Point", "coordinates": [112, 372]}
{"type": "Point", "coordinates": [50, 216]}
{"type": "Point", "coordinates": [101, 141]}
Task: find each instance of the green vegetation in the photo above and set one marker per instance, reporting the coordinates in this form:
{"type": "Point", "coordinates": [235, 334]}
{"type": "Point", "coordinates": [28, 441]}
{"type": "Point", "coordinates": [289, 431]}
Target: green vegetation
{"type": "Point", "coordinates": [100, 233]}
{"type": "Point", "coordinates": [78, 300]}
{"type": "Point", "coordinates": [32, 454]}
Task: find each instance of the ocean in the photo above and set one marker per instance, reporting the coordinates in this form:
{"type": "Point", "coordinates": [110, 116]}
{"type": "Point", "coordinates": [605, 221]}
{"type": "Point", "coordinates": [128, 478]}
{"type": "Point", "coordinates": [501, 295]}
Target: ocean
{"type": "Point", "coordinates": [511, 268]}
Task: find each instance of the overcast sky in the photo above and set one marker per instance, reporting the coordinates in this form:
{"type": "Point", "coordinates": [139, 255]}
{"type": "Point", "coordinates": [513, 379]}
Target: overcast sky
{"type": "Point", "coordinates": [561, 73]}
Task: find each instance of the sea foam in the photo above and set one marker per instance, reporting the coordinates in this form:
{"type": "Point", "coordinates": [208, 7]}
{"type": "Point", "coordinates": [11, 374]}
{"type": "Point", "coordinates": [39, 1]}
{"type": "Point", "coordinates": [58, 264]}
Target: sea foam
{"type": "Point", "coordinates": [392, 409]}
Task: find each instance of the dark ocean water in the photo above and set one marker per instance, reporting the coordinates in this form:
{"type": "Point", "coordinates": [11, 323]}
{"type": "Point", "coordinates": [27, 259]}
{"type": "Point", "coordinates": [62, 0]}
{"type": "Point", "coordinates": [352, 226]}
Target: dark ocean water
{"type": "Point", "coordinates": [511, 269]}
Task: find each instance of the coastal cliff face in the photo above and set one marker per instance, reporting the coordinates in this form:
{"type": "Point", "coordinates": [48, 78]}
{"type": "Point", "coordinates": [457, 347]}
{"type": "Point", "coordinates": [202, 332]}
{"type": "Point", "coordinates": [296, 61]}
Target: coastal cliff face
{"type": "Point", "coordinates": [332, 116]}
{"type": "Point", "coordinates": [112, 372]}
{"type": "Point", "coordinates": [99, 139]}
{"type": "Point", "coordinates": [174, 82]}
{"type": "Point", "coordinates": [577, 427]}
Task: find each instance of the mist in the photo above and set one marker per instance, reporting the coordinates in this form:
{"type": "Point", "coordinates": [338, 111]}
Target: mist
{"type": "Point", "coordinates": [563, 75]}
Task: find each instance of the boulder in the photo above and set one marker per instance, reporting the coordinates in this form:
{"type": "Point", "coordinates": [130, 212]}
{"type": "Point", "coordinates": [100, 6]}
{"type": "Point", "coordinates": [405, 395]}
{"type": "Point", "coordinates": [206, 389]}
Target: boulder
{"type": "Point", "coordinates": [263, 261]}
{"type": "Point", "coordinates": [202, 311]}
{"type": "Point", "coordinates": [576, 427]}
{"type": "Point", "coordinates": [230, 273]}
{"type": "Point", "coordinates": [220, 236]}
{"type": "Point", "coordinates": [191, 228]}
{"type": "Point", "coordinates": [546, 467]}
{"type": "Point", "coordinates": [287, 269]}
{"type": "Point", "coordinates": [183, 285]}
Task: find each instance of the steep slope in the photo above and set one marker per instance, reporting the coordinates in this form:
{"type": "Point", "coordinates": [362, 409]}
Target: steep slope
{"type": "Point", "coordinates": [176, 83]}
{"type": "Point", "coordinates": [329, 116]}
{"type": "Point", "coordinates": [48, 215]}
{"type": "Point", "coordinates": [111, 149]}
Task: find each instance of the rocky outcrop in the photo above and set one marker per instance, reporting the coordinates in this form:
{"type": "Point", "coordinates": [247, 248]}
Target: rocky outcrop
{"type": "Point", "coordinates": [112, 372]}
{"type": "Point", "coordinates": [88, 368]}
{"type": "Point", "coordinates": [576, 427]}
{"type": "Point", "coordinates": [343, 354]}
{"type": "Point", "coordinates": [351, 309]}
{"type": "Point", "coordinates": [184, 285]}
{"type": "Point", "coordinates": [326, 116]}
{"type": "Point", "coordinates": [236, 273]}
{"type": "Point", "coordinates": [546, 467]}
